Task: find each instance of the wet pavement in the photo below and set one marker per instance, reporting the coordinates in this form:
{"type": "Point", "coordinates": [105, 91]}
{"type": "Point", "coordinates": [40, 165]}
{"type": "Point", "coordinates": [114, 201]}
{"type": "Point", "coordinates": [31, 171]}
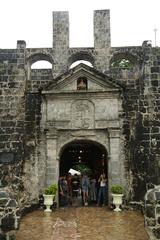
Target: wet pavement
{"type": "Point", "coordinates": [82, 223]}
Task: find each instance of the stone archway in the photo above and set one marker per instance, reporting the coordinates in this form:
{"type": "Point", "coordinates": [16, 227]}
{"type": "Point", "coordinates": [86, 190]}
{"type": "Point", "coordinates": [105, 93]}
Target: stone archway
{"type": "Point", "coordinates": [87, 157]}
{"type": "Point", "coordinates": [88, 153]}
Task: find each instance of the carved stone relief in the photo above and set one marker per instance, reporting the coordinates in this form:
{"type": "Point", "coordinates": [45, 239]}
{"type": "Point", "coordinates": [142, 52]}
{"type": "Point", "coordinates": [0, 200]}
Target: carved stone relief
{"type": "Point", "coordinates": [82, 114]}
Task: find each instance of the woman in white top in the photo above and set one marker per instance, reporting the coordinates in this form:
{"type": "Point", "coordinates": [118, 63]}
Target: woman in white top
{"type": "Point", "coordinates": [102, 194]}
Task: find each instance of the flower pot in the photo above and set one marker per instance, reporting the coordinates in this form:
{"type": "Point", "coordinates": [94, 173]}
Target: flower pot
{"type": "Point", "coordinates": [117, 201]}
{"type": "Point", "coordinates": [48, 201]}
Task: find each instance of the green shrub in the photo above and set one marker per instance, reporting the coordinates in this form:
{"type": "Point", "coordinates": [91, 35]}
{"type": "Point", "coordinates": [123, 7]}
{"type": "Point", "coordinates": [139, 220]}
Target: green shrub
{"type": "Point", "coordinates": [117, 189]}
{"type": "Point", "coordinates": [51, 190]}
{"type": "Point", "coordinates": [82, 168]}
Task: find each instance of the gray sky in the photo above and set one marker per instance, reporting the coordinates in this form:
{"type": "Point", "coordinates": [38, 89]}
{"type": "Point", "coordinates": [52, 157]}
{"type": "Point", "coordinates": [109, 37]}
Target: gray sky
{"type": "Point", "coordinates": [132, 21]}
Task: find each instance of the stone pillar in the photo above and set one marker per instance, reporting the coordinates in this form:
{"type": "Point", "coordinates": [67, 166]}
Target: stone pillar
{"type": "Point", "coordinates": [102, 41]}
{"type": "Point", "coordinates": [21, 46]}
{"type": "Point", "coordinates": [102, 29]}
{"type": "Point", "coordinates": [60, 30]}
{"type": "Point", "coordinates": [115, 165]}
{"type": "Point", "coordinates": [52, 166]}
{"type": "Point", "coordinates": [60, 41]}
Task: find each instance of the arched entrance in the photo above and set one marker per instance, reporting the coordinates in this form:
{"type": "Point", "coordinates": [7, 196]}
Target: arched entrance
{"type": "Point", "coordinates": [85, 156]}
{"type": "Point", "coordinates": [84, 153]}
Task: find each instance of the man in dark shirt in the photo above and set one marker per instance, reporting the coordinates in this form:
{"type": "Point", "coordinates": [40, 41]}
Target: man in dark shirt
{"type": "Point", "coordinates": [75, 185]}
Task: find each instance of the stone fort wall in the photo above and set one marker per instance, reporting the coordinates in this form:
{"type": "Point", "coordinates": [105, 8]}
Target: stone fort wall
{"type": "Point", "coordinates": [20, 104]}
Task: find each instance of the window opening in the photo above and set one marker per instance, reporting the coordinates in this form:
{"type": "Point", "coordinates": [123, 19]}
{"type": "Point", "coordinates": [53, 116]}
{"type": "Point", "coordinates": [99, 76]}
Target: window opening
{"type": "Point", "coordinates": [41, 64]}
{"type": "Point", "coordinates": [122, 63]}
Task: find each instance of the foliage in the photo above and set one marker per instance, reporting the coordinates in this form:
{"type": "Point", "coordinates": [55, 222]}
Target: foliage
{"type": "Point", "coordinates": [82, 168]}
{"type": "Point", "coordinates": [51, 190]}
{"type": "Point", "coordinates": [117, 189]}
{"type": "Point", "coordinates": [122, 63]}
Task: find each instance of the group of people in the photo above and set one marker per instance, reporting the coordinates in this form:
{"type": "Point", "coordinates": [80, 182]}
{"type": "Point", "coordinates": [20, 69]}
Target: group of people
{"type": "Point", "coordinates": [88, 189]}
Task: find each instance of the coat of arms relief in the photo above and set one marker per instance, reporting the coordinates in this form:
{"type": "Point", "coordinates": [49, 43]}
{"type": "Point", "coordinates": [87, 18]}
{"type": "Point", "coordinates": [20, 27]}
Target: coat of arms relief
{"type": "Point", "coordinates": [82, 114]}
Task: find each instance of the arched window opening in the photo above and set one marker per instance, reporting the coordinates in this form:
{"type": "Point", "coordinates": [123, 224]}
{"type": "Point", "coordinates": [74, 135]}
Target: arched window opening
{"type": "Point", "coordinates": [41, 64]}
{"type": "Point", "coordinates": [82, 83]}
{"type": "Point", "coordinates": [81, 61]}
{"type": "Point", "coordinates": [123, 61]}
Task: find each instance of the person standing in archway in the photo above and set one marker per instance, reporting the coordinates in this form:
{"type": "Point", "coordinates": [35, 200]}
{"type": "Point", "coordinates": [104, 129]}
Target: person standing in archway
{"type": "Point", "coordinates": [102, 194]}
{"type": "Point", "coordinates": [69, 183]}
{"type": "Point", "coordinates": [63, 191]}
{"type": "Point", "coordinates": [85, 189]}
{"type": "Point", "coordinates": [93, 189]}
{"type": "Point", "coordinates": [75, 185]}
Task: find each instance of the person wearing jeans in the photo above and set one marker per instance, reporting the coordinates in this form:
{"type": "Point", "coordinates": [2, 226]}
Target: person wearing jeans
{"type": "Point", "coordinates": [102, 194]}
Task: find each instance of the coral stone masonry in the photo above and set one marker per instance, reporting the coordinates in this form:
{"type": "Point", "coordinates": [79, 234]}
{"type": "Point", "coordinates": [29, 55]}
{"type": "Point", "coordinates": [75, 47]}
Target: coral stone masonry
{"type": "Point", "coordinates": [110, 111]}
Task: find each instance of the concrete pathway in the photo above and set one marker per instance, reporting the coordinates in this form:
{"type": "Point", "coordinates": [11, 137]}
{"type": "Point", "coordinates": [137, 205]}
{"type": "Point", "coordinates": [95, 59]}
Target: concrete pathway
{"type": "Point", "coordinates": [82, 223]}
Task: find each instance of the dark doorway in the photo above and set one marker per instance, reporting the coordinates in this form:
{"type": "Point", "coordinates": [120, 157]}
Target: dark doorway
{"type": "Point", "coordinates": [90, 159]}
{"type": "Point", "coordinates": [86, 153]}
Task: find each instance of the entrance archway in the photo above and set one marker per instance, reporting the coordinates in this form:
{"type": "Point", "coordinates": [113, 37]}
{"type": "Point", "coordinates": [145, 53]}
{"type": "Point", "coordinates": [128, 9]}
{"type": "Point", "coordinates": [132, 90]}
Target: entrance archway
{"type": "Point", "coordinates": [87, 157]}
{"type": "Point", "coordinates": [84, 153]}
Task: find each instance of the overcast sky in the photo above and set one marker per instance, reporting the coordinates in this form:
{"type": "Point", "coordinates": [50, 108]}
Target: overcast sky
{"type": "Point", "coordinates": [132, 21]}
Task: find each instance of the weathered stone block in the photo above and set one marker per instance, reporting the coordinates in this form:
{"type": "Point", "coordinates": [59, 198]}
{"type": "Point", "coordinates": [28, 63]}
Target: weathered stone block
{"type": "Point", "coordinates": [151, 222]}
{"type": "Point", "coordinates": [158, 210]}
{"type": "Point", "coordinates": [12, 203]}
{"type": "Point", "coordinates": [154, 83]}
{"type": "Point", "coordinates": [8, 223]}
{"type": "Point", "coordinates": [6, 157]}
{"type": "Point", "coordinates": [154, 76]}
{"type": "Point", "coordinates": [4, 194]}
{"type": "Point", "coordinates": [150, 211]}
{"type": "Point", "coordinates": [154, 69]}
{"type": "Point", "coordinates": [156, 232]}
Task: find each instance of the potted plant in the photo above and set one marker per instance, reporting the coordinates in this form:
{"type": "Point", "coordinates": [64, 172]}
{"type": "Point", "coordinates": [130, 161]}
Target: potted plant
{"type": "Point", "coordinates": [117, 194]}
{"type": "Point", "coordinates": [49, 195]}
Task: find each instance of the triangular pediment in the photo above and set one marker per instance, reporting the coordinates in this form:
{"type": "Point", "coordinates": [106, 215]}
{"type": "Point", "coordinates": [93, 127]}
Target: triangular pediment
{"type": "Point", "coordinates": [95, 81]}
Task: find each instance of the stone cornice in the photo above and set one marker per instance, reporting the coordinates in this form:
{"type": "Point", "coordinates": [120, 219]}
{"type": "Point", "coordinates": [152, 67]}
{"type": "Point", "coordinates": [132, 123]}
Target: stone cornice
{"type": "Point", "coordinates": [111, 93]}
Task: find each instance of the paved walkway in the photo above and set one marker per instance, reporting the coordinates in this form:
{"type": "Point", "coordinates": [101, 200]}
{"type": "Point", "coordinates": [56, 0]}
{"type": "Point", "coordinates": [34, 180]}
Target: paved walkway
{"type": "Point", "coordinates": [82, 223]}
